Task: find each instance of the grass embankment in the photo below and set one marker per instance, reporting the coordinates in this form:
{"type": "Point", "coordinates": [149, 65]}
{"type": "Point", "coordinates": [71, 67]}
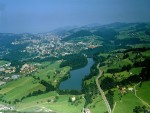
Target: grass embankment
{"type": "Point", "coordinates": [51, 101]}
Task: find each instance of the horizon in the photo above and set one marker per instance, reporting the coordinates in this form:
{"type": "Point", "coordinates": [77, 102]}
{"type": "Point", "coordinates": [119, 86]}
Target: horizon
{"type": "Point", "coordinates": [73, 27]}
{"type": "Point", "coordinates": [35, 16]}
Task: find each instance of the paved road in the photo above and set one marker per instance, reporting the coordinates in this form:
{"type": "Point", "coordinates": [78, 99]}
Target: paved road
{"type": "Point", "coordinates": [101, 91]}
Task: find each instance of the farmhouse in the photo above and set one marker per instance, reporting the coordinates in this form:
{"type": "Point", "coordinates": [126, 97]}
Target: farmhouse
{"type": "Point", "coordinates": [15, 76]}
{"type": "Point", "coordinates": [73, 98]}
{"type": "Point", "coordinates": [86, 111]}
{"type": "Point", "coordinates": [1, 83]}
{"type": "Point", "coordinates": [130, 89]}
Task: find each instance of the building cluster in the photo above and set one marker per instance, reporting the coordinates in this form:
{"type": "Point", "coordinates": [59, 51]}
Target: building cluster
{"type": "Point", "coordinates": [7, 69]}
{"type": "Point", "coordinates": [124, 90]}
{"type": "Point", "coordinates": [28, 68]}
{"type": "Point", "coordinates": [7, 73]}
{"type": "Point", "coordinates": [42, 46]}
{"type": "Point", "coordinates": [4, 79]}
{"type": "Point", "coordinates": [5, 108]}
{"type": "Point", "coordinates": [86, 110]}
{"type": "Point", "coordinates": [52, 45]}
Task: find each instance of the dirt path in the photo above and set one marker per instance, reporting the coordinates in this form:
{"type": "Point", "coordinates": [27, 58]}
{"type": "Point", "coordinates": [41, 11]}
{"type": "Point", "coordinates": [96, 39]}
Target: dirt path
{"type": "Point", "coordinates": [114, 107]}
{"type": "Point", "coordinates": [138, 96]}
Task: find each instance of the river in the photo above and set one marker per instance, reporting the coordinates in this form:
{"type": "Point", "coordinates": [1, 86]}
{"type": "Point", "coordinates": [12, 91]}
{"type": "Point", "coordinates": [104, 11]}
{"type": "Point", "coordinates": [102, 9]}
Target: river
{"type": "Point", "coordinates": [76, 76]}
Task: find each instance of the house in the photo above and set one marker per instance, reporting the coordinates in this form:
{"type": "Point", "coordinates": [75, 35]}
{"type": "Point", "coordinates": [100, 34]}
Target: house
{"type": "Point", "coordinates": [130, 89]}
{"type": "Point", "coordinates": [92, 46]}
{"type": "Point", "coordinates": [86, 110]}
{"type": "Point", "coordinates": [7, 65]}
{"type": "Point", "coordinates": [73, 98]}
{"type": "Point", "coordinates": [123, 90]}
{"type": "Point", "coordinates": [6, 78]}
{"type": "Point", "coordinates": [25, 66]}
{"type": "Point", "coordinates": [15, 76]}
{"type": "Point", "coordinates": [2, 69]}
{"type": "Point", "coordinates": [1, 83]}
{"type": "Point", "coordinates": [2, 77]}
{"type": "Point", "coordinates": [5, 108]}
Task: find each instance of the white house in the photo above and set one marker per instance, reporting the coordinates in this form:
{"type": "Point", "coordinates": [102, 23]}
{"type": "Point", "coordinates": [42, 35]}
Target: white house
{"type": "Point", "coordinates": [15, 76]}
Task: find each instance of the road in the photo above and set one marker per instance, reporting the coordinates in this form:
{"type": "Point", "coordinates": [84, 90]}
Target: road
{"type": "Point", "coordinates": [101, 91]}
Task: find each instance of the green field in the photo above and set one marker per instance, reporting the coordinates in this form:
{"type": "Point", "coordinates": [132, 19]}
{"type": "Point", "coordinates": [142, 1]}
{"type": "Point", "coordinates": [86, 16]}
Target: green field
{"type": "Point", "coordinates": [46, 102]}
{"type": "Point", "coordinates": [127, 103]}
{"type": "Point", "coordinates": [20, 88]}
{"type": "Point", "coordinates": [98, 105]}
{"type": "Point", "coordinates": [146, 54]}
{"type": "Point", "coordinates": [2, 62]}
{"type": "Point", "coordinates": [51, 72]}
{"type": "Point", "coordinates": [144, 91]}
{"type": "Point", "coordinates": [136, 71]}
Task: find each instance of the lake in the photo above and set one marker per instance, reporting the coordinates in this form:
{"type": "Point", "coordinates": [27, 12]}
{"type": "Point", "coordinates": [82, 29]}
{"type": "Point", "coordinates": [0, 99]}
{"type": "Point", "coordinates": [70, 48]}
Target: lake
{"type": "Point", "coordinates": [76, 76]}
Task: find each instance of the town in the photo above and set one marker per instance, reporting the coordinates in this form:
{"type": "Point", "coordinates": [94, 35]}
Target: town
{"type": "Point", "coordinates": [52, 45]}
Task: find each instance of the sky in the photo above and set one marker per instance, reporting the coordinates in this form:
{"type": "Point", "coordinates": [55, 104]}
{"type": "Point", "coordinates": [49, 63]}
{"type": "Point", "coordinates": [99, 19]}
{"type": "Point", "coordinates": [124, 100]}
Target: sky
{"type": "Point", "coordinates": [34, 16]}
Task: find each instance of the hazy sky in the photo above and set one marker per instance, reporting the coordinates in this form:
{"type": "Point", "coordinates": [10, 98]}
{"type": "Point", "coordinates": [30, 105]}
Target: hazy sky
{"type": "Point", "coordinates": [44, 15]}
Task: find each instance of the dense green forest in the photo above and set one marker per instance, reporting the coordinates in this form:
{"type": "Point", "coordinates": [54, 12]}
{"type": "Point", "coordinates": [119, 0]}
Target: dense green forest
{"type": "Point", "coordinates": [75, 61]}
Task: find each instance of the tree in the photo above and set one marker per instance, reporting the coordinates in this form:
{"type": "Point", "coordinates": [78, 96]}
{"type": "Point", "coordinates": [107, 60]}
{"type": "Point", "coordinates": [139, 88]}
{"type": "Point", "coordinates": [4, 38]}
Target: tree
{"type": "Point", "coordinates": [137, 109]}
{"type": "Point", "coordinates": [69, 99]}
{"type": "Point", "coordinates": [57, 97]}
{"type": "Point", "coordinates": [107, 83]}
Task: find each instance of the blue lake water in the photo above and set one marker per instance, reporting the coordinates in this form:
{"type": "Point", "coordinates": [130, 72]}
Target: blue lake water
{"type": "Point", "coordinates": [76, 76]}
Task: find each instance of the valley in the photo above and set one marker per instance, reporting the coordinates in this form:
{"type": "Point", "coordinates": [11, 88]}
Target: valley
{"type": "Point", "coordinates": [33, 67]}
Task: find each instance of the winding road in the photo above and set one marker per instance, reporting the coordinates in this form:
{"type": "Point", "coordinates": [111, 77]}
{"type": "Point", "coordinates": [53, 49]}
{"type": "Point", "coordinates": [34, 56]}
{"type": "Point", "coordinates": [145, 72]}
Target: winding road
{"type": "Point", "coordinates": [101, 91]}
